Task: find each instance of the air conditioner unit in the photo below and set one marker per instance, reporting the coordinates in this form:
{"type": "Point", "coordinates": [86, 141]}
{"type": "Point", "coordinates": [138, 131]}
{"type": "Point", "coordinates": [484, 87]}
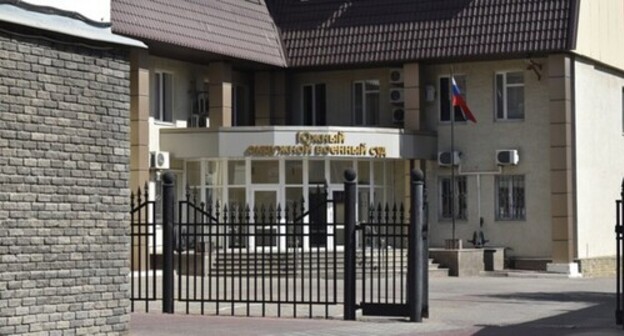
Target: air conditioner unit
{"type": "Point", "coordinates": [396, 76]}
{"type": "Point", "coordinates": [396, 95]}
{"type": "Point", "coordinates": [159, 160]}
{"type": "Point", "coordinates": [507, 157]}
{"type": "Point", "coordinates": [445, 159]}
{"type": "Point", "coordinates": [398, 115]}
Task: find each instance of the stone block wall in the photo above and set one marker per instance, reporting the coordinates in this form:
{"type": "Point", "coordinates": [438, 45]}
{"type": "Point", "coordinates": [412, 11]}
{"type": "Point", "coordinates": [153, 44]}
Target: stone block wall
{"type": "Point", "coordinates": [64, 156]}
{"type": "Point", "coordinates": [598, 267]}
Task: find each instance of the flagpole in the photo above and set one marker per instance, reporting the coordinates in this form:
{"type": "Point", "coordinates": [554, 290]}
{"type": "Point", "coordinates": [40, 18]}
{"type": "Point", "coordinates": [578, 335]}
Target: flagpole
{"type": "Point", "coordinates": [452, 116]}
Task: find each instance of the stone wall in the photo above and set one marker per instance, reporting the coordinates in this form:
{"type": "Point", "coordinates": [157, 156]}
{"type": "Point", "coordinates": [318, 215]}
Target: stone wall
{"type": "Point", "coordinates": [64, 222]}
{"type": "Point", "coordinates": [598, 267]}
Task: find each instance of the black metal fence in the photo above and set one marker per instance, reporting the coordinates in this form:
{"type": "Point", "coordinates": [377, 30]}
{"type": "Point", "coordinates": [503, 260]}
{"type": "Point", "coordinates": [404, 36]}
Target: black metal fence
{"type": "Point", "coordinates": [276, 261]}
{"type": "Point", "coordinates": [619, 239]}
{"type": "Point", "coordinates": [143, 275]}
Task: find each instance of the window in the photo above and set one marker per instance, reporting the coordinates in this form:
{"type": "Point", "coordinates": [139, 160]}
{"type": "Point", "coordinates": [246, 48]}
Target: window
{"type": "Point", "coordinates": [446, 200]}
{"type": "Point", "coordinates": [510, 197]}
{"type": "Point", "coordinates": [314, 105]}
{"type": "Point", "coordinates": [163, 97]}
{"type": "Point", "coordinates": [445, 98]}
{"type": "Point", "coordinates": [510, 96]}
{"type": "Point", "coordinates": [241, 108]}
{"type": "Point", "coordinates": [365, 102]}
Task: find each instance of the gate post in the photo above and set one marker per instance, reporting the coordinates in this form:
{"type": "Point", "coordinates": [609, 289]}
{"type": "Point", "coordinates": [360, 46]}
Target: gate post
{"type": "Point", "coordinates": [425, 258]}
{"type": "Point", "coordinates": [415, 272]}
{"type": "Point", "coordinates": [168, 241]}
{"type": "Point", "coordinates": [349, 245]}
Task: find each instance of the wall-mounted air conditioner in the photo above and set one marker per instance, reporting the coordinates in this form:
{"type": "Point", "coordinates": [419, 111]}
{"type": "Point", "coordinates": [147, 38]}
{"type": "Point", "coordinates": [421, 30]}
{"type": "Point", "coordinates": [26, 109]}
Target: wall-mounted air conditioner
{"type": "Point", "coordinates": [507, 157]}
{"type": "Point", "coordinates": [159, 160]}
{"type": "Point", "coordinates": [396, 76]}
{"type": "Point", "coordinates": [398, 115]}
{"type": "Point", "coordinates": [445, 159]}
{"type": "Point", "coordinates": [396, 95]}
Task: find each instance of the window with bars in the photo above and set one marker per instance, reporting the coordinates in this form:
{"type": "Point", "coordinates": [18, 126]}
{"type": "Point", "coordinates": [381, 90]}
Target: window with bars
{"type": "Point", "coordinates": [510, 199]}
{"type": "Point", "coordinates": [446, 199]}
{"type": "Point", "coordinates": [509, 88]}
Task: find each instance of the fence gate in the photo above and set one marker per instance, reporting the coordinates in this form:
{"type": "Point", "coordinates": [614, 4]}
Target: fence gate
{"type": "Point", "coordinates": [391, 272]}
{"type": "Point", "coordinates": [263, 261]}
{"type": "Point", "coordinates": [270, 260]}
{"type": "Point", "coordinates": [383, 262]}
{"type": "Point", "coordinates": [256, 261]}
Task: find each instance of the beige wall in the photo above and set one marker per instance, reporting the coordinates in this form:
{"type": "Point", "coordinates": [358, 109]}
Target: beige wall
{"type": "Point", "coordinates": [478, 143]}
{"type": "Point", "coordinates": [339, 94]}
{"type": "Point", "coordinates": [187, 77]}
{"type": "Point", "coordinates": [599, 159]}
{"type": "Point", "coordinates": [600, 31]}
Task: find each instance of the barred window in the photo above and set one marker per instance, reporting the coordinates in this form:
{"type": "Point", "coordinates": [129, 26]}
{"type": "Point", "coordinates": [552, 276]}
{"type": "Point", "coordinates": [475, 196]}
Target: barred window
{"type": "Point", "coordinates": [446, 211]}
{"type": "Point", "coordinates": [510, 197]}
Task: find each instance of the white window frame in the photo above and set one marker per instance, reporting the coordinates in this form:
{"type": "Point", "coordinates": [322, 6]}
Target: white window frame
{"type": "Point", "coordinates": [364, 94]}
{"type": "Point", "coordinates": [460, 215]}
{"type": "Point", "coordinates": [506, 86]}
{"type": "Point", "coordinates": [159, 115]}
{"type": "Point", "coordinates": [510, 181]}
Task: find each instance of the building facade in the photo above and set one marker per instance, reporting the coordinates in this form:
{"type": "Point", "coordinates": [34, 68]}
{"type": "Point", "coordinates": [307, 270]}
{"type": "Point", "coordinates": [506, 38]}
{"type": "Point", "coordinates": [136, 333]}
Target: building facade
{"type": "Point", "coordinates": [260, 102]}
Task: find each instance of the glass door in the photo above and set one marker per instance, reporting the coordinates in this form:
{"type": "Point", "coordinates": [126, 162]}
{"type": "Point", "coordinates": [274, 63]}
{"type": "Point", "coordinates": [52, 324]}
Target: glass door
{"type": "Point", "coordinates": [337, 209]}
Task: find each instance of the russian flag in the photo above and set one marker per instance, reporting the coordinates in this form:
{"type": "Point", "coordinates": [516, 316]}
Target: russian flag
{"type": "Point", "coordinates": [459, 101]}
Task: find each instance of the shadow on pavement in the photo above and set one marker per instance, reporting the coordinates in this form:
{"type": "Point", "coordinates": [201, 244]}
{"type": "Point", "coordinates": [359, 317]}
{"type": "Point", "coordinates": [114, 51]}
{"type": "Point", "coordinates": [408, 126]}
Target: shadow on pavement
{"type": "Point", "coordinates": [596, 318]}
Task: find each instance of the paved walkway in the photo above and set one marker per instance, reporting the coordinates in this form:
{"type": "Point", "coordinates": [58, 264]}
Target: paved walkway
{"type": "Point", "coordinates": [459, 306]}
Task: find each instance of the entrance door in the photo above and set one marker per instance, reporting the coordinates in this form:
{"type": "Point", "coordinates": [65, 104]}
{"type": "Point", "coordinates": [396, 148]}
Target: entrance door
{"type": "Point", "coordinates": [266, 233]}
{"type": "Point", "coordinates": [317, 205]}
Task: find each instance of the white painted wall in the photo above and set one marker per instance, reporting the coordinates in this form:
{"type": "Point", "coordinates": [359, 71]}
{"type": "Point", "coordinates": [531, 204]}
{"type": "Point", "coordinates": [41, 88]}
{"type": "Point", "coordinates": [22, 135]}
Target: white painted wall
{"type": "Point", "coordinates": [599, 156]}
{"type": "Point", "coordinates": [601, 31]}
{"type": "Point", "coordinates": [479, 142]}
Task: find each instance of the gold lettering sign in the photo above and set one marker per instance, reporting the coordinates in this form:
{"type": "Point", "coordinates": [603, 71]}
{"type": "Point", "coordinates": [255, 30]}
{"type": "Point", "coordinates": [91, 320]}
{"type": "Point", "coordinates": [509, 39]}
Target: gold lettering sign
{"type": "Point", "coordinates": [317, 144]}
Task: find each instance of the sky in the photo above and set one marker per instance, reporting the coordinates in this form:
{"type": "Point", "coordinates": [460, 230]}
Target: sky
{"type": "Point", "coordinates": [97, 10]}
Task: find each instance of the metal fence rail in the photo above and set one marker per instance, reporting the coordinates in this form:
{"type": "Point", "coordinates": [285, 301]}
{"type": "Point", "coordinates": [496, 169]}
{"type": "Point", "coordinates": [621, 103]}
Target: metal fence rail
{"type": "Point", "coordinates": [143, 274]}
{"type": "Point", "coordinates": [619, 240]}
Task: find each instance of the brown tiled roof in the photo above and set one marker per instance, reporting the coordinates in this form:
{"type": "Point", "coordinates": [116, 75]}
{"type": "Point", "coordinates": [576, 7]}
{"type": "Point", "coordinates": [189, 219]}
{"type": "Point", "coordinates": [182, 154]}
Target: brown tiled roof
{"type": "Point", "coordinates": [334, 32]}
{"type": "Point", "coordinates": [241, 29]}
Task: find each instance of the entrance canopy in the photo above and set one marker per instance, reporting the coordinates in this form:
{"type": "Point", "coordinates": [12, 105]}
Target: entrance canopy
{"type": "Point", "coordinates": [297, 141]}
